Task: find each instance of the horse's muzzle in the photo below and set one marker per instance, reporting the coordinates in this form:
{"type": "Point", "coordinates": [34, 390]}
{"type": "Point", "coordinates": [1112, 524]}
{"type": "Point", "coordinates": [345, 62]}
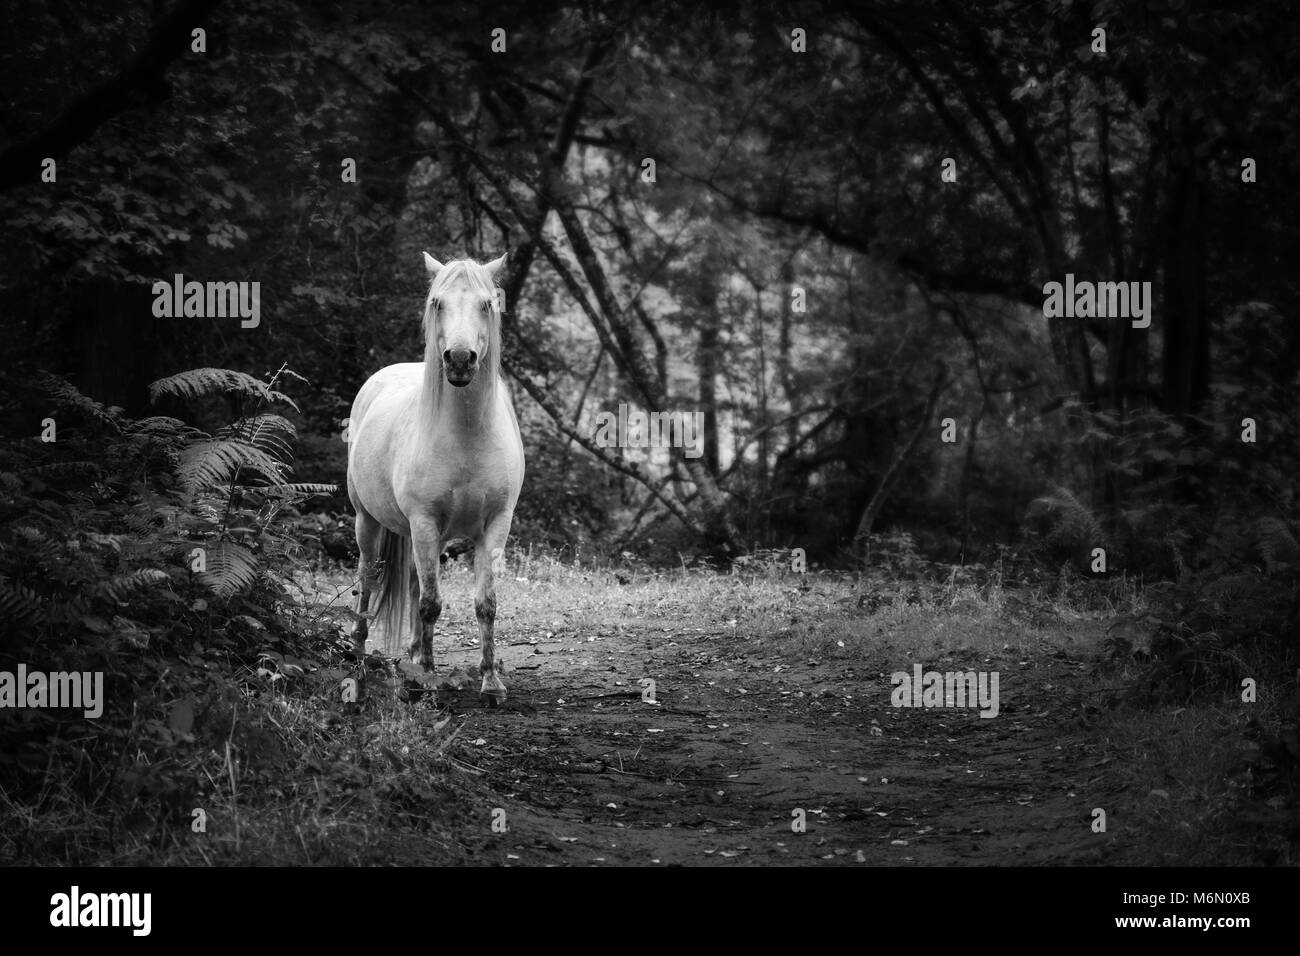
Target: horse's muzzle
{"type": "Point", "coordinates": [460, 366]}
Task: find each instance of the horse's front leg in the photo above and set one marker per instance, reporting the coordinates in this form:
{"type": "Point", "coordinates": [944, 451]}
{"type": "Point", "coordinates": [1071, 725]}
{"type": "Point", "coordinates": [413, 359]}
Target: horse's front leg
{"type": "Point", "coordinates": [426, 544]}
{"type": "Point", "coordinates": [486, 550]}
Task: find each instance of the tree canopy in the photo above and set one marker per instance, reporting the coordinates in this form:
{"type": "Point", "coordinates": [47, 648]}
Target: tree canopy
{"type": "Point", "coordinates": [826, 226]}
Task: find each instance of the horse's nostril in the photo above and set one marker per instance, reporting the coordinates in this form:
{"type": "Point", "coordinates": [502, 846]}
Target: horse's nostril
{"type": "Point", "coordinates": [459, 358]}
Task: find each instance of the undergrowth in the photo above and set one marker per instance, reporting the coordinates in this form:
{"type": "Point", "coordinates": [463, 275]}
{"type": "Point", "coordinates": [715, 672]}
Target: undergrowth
{"type": "Point", "coordinates": [160, 556]}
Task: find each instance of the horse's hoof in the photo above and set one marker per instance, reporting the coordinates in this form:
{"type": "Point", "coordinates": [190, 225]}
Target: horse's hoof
{"type": "Point", "coordinates": [492, 698]}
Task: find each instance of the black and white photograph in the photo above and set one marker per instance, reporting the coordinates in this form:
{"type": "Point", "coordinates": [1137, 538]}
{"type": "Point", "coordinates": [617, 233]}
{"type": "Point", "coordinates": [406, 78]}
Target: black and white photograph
{"type": "Point", "coordinates": [643, 435]}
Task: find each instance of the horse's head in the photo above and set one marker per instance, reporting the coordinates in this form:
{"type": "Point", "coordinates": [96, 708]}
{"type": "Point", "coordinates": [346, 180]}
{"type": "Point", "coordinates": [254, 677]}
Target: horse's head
{"type": "Point", "coordinates": [462, 316]}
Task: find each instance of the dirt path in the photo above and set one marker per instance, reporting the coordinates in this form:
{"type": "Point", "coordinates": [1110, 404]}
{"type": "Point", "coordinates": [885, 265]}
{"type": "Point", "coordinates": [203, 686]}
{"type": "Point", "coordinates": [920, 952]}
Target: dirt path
{"type": "Point", "coordinates": [589, 773]}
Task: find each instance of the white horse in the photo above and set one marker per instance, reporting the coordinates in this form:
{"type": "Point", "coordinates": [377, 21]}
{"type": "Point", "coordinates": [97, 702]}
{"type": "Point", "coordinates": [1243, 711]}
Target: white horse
{"type": "Point", "coordinates": [434, 453]}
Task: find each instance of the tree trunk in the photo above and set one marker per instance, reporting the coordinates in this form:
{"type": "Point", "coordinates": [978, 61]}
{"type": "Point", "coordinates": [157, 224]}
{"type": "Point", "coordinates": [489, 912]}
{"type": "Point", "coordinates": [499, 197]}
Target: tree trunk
{"type": "Point", "coordinates": [706, 368]}
{"type": "Point", "coordinates": [887, 483]}
{"type": "Point", "coordinates": [1185, 361]}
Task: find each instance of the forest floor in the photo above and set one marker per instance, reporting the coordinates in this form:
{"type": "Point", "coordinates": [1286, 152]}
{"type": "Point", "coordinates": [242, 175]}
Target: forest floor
{"type": "Point", "coordinates": [771, 738]}
{"type": "Point", "coordinates": [772, 706]}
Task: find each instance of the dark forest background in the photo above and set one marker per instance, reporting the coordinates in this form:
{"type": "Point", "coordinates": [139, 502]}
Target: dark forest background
{"type": "Point", "coordinates": [773, 170]}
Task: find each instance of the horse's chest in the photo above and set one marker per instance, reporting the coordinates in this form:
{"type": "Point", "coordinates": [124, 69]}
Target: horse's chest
{"type": "Point", "coordinates": [461, 498]}
{"type": "Point", "coordinates": [467, 493]}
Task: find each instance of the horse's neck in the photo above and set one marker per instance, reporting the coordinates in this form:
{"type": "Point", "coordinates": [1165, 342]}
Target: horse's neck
{"type": "Point", "coordinates": [447, 410]}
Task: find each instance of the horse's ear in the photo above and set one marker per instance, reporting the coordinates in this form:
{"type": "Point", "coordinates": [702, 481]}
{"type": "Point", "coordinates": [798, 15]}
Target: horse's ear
{"type": "Point", "coordinates": [433, 265]}
{"type": "Point", "coordinates": [495, 265]}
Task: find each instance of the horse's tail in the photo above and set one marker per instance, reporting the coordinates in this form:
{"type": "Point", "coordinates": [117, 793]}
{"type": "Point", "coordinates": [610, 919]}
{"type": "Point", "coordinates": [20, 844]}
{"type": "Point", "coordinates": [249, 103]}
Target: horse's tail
{"type": "Point", "coordinates": [394, 597]}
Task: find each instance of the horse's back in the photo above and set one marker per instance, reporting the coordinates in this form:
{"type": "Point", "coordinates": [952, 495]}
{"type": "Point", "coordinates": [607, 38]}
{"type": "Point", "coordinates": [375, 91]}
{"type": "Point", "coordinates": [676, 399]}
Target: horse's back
{"type": "Point", "coordinates": [392, 381]}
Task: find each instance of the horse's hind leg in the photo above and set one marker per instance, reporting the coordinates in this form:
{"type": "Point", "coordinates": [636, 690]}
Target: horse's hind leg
{"type": "Point", "coordinates": [426, 544]}
{"type": "Point", "coordinates": [368, 532]}
{"type": "Point", "coordinates": [486, 549]}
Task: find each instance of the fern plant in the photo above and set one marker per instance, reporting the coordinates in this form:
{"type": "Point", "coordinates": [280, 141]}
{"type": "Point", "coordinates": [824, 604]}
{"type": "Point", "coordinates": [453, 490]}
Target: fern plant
{"type": "Point", "coordinates": [149, 501]}
{"type": "Point", "coordinates": [236, 481]}
{"type": "Point", "coordinates": [101, 532]}
{"type": "Point", "coordinates": [202, 382]}
{"type": "Point", "coordinates": [1067, 523]}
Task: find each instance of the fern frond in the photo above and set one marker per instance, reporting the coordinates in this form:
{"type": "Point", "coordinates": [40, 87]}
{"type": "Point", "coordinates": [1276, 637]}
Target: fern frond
{"type": "Point", "coordinates": [119, 586]}
{"type": "Point", "coordinates": [269, 432]}
{"type": "Point", "coordinates": [68, 395]}
{"type": "Point", "coordinates": [208, 463]}
{"type": "Point", "coordinates": [141, 522]}
{"type": "Point", "coordinates": [300, 489]}
{"type": "Point", "coordinates": [19, 604]}
{"type": "Point", "coordinates": [197, 382]}
{"type": "Point", "coordinates": [1229, 586]}
{"type": "Point", "coordinates": [29, 533]}
{"type": "Point", "coordinates": [1075, 524]}
{"type": "Point", "coordinates": [163, 426]}
{"type": "Point", "coordinates": [112, 541]}
{"type": "Point", "coordinates": [1277, 545]}
{"type": "Point", "coordinates": [230, 569]}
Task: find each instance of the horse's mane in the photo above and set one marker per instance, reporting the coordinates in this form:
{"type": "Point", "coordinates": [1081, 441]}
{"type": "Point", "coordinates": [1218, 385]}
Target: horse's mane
{"type": "Point", "coordinates": [476, 277]}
